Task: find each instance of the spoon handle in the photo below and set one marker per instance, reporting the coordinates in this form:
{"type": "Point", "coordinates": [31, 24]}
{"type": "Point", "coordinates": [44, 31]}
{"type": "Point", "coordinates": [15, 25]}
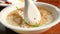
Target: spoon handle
{"type": "Point", "coordinates": [26, 9]}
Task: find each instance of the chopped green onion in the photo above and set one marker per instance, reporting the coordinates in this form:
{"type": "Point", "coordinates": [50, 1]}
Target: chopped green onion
{"type": "Point", "coordinates": [17, 8]}
{"type": "Point", "coordinates": [36, 25]}
{"type": "Point", "coordinates": [25, 21]}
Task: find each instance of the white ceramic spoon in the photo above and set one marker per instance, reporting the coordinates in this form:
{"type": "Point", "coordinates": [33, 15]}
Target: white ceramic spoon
{"type": "Point", "coordinates": [31, 13]}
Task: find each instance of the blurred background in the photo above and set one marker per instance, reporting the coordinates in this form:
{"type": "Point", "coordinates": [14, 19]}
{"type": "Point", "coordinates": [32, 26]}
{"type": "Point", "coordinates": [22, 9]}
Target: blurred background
{"type": "Point", "coordinates": [54, 30]}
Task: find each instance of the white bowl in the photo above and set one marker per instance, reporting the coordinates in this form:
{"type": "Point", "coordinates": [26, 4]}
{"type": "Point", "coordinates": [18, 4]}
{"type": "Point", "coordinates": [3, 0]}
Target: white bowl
{"type": "Point", "coordinates": [36, 30]}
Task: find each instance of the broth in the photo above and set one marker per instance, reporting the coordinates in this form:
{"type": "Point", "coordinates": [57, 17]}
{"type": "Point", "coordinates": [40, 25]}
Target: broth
{"type": "Point", "coordinates": [16, 18]}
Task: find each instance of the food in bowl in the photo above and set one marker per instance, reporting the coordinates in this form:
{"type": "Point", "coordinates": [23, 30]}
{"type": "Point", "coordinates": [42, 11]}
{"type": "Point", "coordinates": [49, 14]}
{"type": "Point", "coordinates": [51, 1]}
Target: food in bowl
{"type": "Point", "coordinates": [16, 18]}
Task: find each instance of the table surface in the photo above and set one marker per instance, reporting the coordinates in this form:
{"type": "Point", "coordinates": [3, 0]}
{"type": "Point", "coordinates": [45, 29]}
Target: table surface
{"type": "Point", "coordinates": [54, 30]}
